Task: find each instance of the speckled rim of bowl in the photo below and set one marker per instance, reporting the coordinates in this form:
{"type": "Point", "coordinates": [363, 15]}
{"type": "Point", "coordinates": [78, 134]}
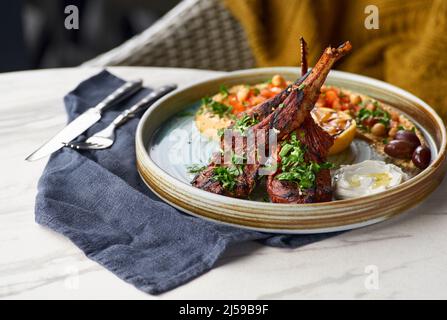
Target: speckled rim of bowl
{"type": "Point", "coordinates": [286, 218]}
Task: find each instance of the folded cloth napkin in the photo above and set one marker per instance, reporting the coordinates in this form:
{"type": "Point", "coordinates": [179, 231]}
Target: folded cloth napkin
{"type": "Point", "coordinates": [98, 201]}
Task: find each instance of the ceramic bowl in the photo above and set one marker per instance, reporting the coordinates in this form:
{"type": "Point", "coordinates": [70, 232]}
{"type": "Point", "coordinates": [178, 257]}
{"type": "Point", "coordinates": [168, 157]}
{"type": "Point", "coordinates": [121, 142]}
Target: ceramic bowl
{"type": "Point", "coordinates": [170, 184]}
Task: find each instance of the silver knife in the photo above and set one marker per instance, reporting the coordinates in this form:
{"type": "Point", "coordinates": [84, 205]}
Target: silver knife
{"type": "Point", "coordinates": [85, 120]}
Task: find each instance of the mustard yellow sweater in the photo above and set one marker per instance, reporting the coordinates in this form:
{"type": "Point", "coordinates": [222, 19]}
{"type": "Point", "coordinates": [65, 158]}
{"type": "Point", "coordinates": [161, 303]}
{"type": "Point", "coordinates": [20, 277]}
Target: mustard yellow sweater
{"type": "Point", "coordinates": [409, 49]}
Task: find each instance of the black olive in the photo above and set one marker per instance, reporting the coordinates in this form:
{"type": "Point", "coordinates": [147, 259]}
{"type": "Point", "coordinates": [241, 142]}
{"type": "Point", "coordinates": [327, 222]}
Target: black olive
{"type": "Point", "coordinates": [421, 157]}
{"type": "Point", "coordinates": [401, 149]}
{"type": "Point", "coordinates": [408, 136]}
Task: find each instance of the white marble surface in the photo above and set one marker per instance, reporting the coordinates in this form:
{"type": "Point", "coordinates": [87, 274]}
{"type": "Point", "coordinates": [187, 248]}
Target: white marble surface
{"type": "Point", "coordinates": [409, 252]}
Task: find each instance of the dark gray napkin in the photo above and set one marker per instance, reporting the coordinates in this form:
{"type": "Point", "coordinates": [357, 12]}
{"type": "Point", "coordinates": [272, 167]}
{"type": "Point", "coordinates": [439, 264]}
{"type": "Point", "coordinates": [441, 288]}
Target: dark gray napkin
{"type": "Point", "coordinates": [98, 201]}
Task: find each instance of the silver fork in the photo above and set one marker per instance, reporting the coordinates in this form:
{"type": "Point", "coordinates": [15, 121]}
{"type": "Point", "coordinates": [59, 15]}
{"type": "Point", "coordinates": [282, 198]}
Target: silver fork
{"type": "Point", "coordinates": [104, 139]}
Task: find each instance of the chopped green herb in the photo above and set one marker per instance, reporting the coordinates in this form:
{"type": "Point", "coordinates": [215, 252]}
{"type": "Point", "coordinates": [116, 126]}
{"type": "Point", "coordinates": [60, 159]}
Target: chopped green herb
{"type": "Point", "coordinates": [224, 91]}
{"type": "Point", "coordinates": [195, 168]}
{"type": "Point", "coordinates": [385, 141]}
{"type": "Point", "coordinates": [256, 91]}
{"type": "Point", "coordinates": [281, 105]}
{"type": "Point", "coordinates": [302, 86]}
{"type": "Point", "coordinates": [400, 128]}
{"type": "Point", "coordinates": [237, 159]}
{"type": "Point", "coordinates": [379, 114]}
{"type": "Point", "coordinates": [383, 117]}
{"type": "Point", "coordinates": [215, 107]}
{"type": "Point", "coordinates": [244, 122]}
{"type": "Point", "coordinates": [227, 175]}
{"type": "Point", "coordinates": [293, 166]}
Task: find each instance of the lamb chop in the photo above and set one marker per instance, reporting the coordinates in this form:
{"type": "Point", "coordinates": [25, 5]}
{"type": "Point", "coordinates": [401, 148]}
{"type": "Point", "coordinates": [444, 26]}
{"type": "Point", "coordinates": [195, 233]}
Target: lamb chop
{"type": "Point", "coordinates": [296, 101]}
{"type": "Point", "coordinates": [236, 180]}
{"type": "Point", "coordinates": [316, 142]}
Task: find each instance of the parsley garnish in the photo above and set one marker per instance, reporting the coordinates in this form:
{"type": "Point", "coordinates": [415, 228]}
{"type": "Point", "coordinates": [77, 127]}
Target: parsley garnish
{"type": "Point", "coordinates": [379, 114]}
{"type": "Point", "coordinates": [293, 166]}
{"type": "Point", "coordinates": [241, 125]}
{"type": "Point", "coordinates": [227, 175]}
{"type": "Point", "coordinates": [215, 107]}
{"type": "Point", "coordinates": [244, 122]}
{"type": "Point", "coordinates": [224, 91]}
{"type": "Point", "coordinates": [195, 168]}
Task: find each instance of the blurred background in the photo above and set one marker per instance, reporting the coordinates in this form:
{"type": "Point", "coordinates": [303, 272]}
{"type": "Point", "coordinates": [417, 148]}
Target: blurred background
{"type": "Point", "coordinates": [402, 42]}
{"type": "Point", "coordinates": [32, 36]}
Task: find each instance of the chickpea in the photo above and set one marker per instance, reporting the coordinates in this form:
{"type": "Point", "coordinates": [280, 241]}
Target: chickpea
{"type": "Point", "coordinates": [395, 116]}
{"type": "Point", "coordinates": [378, 129]}
{"type": "Point", "coordinates": [392, 132]}
{"type": "Point", "coordinates": [278, 81]}
{"type": "Point", "coordinates": [355, 99]}
{"type": "Point", "coordinates": [242, 94]}
{"type": "Point", "coordinates": [370, 107]}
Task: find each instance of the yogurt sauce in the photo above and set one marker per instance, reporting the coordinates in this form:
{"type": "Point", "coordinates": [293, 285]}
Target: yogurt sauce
{"type": "Point", "coordinates": [366, 178]}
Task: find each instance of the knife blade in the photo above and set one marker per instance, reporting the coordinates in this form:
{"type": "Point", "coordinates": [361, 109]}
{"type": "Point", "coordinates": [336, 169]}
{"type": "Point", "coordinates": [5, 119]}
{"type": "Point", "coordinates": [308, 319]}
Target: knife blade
{"type": "Point", "coordinates": [85, 120]}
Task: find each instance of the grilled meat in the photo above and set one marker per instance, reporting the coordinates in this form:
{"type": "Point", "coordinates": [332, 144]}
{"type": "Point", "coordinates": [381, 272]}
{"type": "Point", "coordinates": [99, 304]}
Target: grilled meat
{"type": "Point", "coordinates": [304, 51]}
{"type": "Point", "coordinates": [292, 116]}
{"type": "Point", "coordinates": [238, 180]}
{"type": "Point", "coordinates": [317, 143]}
{"type": "Point", "coordinates": [265, 108]}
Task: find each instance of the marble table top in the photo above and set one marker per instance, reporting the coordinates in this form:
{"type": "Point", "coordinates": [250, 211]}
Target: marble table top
{"type": "Point", "coordinates": [405, 257]}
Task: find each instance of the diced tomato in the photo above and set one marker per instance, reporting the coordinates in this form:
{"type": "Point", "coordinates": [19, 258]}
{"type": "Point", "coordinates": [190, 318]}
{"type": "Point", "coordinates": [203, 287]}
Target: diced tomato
{"type": "Point", "coordinates": [255, 100]}
{"type": "Point", "coordinates": [331, 96]}
{"type": "Point", "coordinates": [267, 93]}
{"type": "Point", "coordinates": [369, 122]}
{"type": "Point", "coordinates": [237, 106]}
{"type": "Point", "coordinates": [393, 124]}
{"type": "Point", "coordinates": [345, 99]}
{"type": "Point", "coordinates": [345, 106]}
{"type": "Point", "coordinates": [336, 104]}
